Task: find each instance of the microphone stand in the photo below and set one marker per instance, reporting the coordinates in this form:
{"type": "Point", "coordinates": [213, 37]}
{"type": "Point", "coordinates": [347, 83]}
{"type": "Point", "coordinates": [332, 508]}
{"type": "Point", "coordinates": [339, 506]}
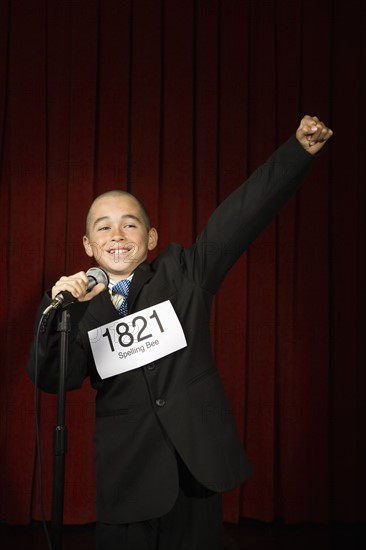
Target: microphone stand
{"type": "Point", "coordinates": [64, 299]}
{"type": "Point", "coordinates": [60, 435]}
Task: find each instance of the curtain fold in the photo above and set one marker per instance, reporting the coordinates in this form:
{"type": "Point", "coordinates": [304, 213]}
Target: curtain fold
{"type": "Point", "coordinates": [178, 101]}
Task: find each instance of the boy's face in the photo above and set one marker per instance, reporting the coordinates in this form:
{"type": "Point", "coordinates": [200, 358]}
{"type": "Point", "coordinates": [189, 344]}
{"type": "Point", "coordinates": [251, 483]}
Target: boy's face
{"type": "Point", "coordinates": [118, 238]}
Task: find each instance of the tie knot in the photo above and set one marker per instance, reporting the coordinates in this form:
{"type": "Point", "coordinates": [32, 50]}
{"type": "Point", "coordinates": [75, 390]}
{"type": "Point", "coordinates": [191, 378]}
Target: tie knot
{"type": "Point", "coordinates": [122, 287]}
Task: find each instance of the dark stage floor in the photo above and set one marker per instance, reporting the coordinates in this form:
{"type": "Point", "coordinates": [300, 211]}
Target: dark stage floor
{"type": "Point", "coordinates": [248, 535]}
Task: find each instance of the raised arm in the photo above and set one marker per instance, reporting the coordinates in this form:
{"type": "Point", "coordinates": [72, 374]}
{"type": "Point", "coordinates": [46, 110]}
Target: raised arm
{"type": "Point", "coordinates": [249, 209]}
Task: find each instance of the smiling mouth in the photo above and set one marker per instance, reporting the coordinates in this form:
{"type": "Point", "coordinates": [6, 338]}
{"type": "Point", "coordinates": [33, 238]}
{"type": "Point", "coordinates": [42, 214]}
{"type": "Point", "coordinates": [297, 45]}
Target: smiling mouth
{"type": "Point", "coordinates": [119, 251]}
{"type": "Point", "coordinates": [124, 253]}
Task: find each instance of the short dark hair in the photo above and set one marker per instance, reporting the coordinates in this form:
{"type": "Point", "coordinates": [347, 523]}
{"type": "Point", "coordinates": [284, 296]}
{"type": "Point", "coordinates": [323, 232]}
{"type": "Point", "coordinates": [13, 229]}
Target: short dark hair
{"type": "Point", "coordinates": [119, 193]}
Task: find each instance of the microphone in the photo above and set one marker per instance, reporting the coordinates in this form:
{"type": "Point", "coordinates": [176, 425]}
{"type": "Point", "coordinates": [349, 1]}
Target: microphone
{"type": "Point", "coordinates": [95, 275]}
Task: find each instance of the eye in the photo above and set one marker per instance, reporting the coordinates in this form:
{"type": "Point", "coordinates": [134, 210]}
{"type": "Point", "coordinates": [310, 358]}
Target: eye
{"type": "Point", "coordinates": [130, 226]}
{"type": "Point", "coordinates": [104, 228]}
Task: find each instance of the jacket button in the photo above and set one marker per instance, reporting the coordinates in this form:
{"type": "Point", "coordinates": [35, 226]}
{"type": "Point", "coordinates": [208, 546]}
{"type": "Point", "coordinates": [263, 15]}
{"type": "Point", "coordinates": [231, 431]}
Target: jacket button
{"type": "Point", "coordinates": [151, 366]}
{"type": "Point", "coordinates": [160, 402]}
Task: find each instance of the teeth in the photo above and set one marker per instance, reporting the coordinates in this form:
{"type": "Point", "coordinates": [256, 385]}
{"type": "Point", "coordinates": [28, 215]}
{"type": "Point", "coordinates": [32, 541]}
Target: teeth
{"type": "Point", "coordinates": [120, 251]}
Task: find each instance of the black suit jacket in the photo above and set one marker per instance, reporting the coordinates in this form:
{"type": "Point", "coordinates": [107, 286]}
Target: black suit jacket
{"type": "Point", "coordinates": [176, 404]}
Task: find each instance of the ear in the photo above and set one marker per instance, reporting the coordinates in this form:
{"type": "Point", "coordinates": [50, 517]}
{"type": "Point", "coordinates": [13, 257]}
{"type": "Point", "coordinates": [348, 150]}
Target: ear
{"type": "Point", "coordinates": [88, 247]}
{"type": "Point", "coordinates": [152, 239]}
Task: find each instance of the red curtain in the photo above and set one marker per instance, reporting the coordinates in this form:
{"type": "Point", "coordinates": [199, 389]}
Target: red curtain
{"type": "Point", "coordinates": [179, 101]}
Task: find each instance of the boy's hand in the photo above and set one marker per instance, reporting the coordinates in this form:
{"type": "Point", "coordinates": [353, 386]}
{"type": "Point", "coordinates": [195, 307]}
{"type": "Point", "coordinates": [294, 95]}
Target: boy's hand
{"type": "Point", "coordinates": [313, 134]}
{"type": "Point", "coordinates": [77, 286]}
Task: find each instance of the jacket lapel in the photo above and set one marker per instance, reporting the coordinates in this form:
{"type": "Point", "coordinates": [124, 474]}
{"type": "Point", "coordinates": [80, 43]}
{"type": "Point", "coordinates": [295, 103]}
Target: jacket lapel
{"type": "Point", "coordinates": [140, 277]}
{"type": "Point", "coordinates": [102, 309]}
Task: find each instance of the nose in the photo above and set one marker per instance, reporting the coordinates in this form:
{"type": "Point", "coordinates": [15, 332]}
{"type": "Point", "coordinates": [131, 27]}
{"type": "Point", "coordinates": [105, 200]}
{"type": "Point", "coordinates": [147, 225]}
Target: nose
{"type": "Point", "coordinates": [118, 235]}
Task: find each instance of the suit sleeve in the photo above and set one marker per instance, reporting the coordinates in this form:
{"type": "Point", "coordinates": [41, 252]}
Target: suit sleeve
{"type": "Point", "coordinates": [47, 352]}
{"type": "Point", "coordinates": [245, 213]}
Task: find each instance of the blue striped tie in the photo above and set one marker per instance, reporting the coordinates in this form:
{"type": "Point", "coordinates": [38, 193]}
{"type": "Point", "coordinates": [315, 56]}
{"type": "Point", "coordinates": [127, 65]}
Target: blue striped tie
{"type": "Point", "coordinates": [121, 288]}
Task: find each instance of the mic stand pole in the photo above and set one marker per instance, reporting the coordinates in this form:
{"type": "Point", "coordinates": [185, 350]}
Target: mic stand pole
{"type": "Point", "coordinates": [60, 436]}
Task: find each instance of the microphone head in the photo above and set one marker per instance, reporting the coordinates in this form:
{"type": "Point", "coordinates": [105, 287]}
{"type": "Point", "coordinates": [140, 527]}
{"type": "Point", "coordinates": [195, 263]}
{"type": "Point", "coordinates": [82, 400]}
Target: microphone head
{"type": "Point", "coordinates": [99, 275]}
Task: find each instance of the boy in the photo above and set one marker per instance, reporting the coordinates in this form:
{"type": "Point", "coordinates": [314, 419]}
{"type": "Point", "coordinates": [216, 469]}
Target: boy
{"type": "Point", "coordinates": [164, 452]}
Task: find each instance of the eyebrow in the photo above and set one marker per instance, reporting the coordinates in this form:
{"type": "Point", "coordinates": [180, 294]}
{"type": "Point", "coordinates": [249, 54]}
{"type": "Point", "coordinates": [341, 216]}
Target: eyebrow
{"type": "Point", "coordinates": [104, 218]}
